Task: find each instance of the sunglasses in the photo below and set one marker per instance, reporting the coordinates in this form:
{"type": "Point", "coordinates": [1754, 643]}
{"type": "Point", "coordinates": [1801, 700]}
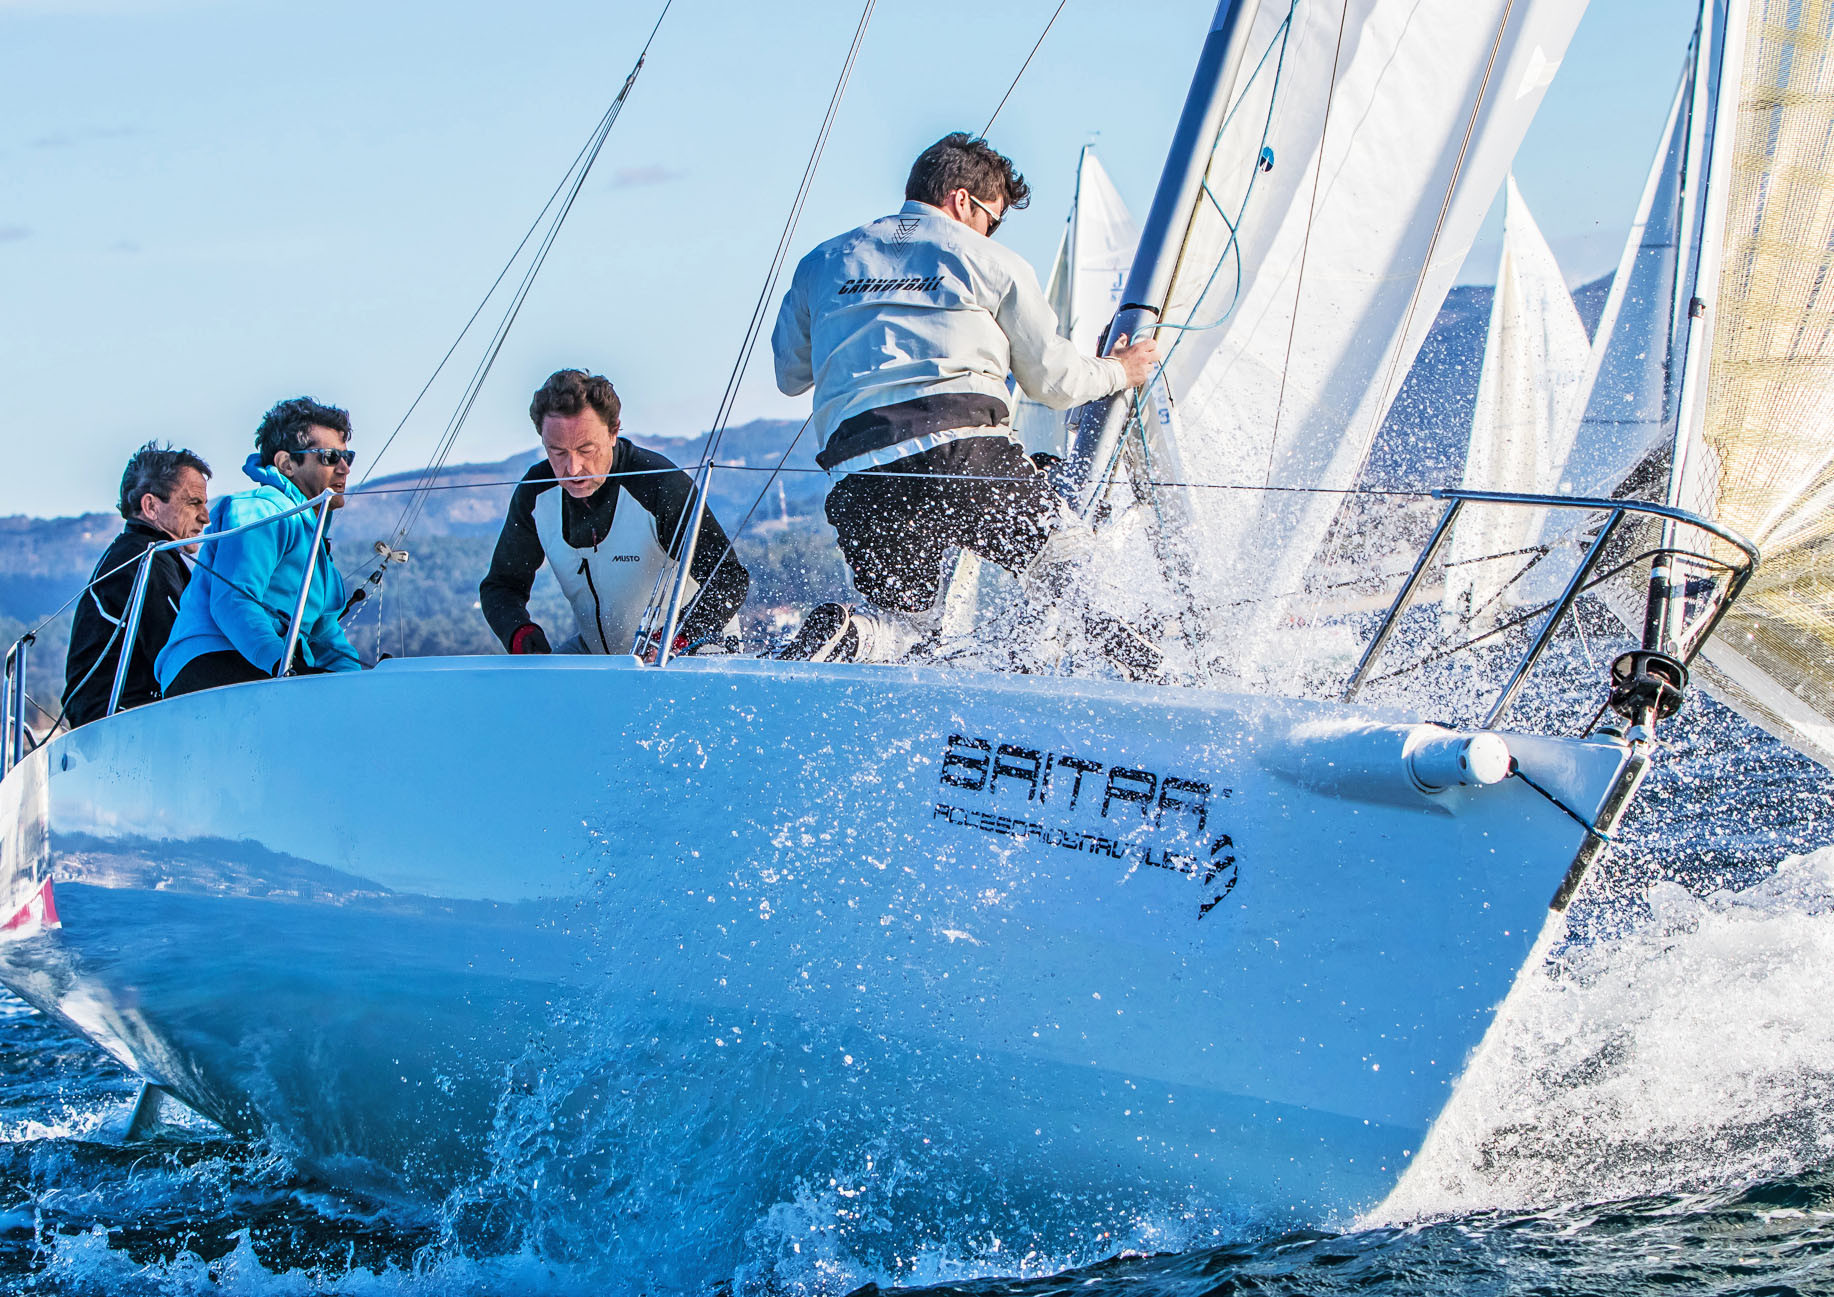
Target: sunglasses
{"type": "Point", "coordinates": [993, 221]}
{"type": "Point", "coordinates": [326, 455]}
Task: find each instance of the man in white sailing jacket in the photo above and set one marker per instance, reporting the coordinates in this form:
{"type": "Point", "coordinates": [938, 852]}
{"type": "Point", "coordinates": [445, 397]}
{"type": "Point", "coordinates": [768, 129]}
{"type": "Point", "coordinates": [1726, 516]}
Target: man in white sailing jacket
{"type": "Point", "coordinates": [606, 517]}
{"type": "Point", "coordinates": [907, 329]}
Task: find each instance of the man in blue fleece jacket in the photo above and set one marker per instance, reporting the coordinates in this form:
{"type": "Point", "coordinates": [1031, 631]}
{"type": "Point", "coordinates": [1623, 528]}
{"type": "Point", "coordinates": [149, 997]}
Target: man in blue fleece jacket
{"type": "Point", "coordinates": [232, 622]}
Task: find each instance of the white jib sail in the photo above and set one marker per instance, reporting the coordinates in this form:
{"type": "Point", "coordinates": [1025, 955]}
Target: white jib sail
{"type": "Point", "coordinates": [1535, 363]}
{"type": "Point", "coordinates": [1761, 458]}
{"type": "Point", "coordinates": [1366, 144]}
{"type": "Point", "coordinates": [1630, 391]}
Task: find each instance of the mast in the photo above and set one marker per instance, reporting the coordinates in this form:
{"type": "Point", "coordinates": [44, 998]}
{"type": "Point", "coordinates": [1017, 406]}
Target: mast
{"type": "Point", "coordinates": [1713, 118]}
{"type": "Point", "coordinates": [1149, 280]}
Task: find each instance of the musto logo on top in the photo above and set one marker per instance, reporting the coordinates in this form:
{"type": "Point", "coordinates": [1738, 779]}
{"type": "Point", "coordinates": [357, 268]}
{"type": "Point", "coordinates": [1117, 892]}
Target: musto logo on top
{"type": "Point", "coordinates": [1056, 783]}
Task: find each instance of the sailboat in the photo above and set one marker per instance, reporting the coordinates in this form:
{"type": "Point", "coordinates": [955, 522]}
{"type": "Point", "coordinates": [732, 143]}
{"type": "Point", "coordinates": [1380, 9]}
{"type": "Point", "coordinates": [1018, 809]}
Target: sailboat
{"type": "Point", "coordinates": [1051, 953]}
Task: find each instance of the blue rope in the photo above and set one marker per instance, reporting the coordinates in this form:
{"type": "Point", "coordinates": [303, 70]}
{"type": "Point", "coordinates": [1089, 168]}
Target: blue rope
{"type": "Point", "coordinates": [1136, 424]}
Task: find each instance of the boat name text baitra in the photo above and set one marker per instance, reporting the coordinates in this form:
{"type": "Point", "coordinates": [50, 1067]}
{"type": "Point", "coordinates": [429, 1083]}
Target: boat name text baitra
{"type": "Point", "coordinates": [978, 765]}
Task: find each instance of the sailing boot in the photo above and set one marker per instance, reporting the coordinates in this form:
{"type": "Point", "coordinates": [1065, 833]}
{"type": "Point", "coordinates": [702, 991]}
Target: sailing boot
{"type": "Point", "coordinates": [882, 636]}
{"type": "Point", "coordinates": [834, 632]}
{"type": "Point", "coordinates": [826, 635]}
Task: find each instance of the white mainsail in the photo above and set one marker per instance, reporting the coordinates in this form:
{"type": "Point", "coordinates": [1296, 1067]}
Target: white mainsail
{"type": "Point", "coordinates": [1535, 363]}
{"type": "Point", "coordinates": [1365, 145]}
{"type": "Point", "coordinates": [1758, 454]}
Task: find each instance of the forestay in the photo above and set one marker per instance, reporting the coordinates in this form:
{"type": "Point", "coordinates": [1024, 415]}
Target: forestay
{"type": "Point", "coordinates": [1366, 143]}
{"type": "Point", "coordinates": [1763, 462]}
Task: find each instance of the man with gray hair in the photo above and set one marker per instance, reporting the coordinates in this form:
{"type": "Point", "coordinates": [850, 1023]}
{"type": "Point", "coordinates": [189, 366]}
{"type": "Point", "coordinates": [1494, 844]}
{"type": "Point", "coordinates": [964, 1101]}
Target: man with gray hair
{"type": "Point", "coordinates": [163, 497]}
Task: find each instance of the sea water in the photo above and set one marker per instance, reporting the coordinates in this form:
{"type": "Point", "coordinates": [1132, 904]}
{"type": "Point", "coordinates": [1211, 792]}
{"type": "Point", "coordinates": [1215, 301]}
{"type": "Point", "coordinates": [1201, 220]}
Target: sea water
{"type": "Point", "coordinates": [1654, 1111]}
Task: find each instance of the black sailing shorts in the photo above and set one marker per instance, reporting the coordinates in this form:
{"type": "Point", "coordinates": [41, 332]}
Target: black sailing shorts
{"type": "Point", "coordinates": [895, 522]}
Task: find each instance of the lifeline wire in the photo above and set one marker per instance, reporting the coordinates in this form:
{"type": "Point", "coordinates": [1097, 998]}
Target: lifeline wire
{"type": "Point", "coordinates": [582, 168]}
{"type": "Point", "coordinates": [691, 518]}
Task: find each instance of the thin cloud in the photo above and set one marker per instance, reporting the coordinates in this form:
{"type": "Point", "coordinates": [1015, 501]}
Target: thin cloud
{"type": "Point", "coordinates": [82, 135]}
{"type": "Point", "coordinates": [14, 233]}
{"type": "Point", "coordinates": [636, 177]}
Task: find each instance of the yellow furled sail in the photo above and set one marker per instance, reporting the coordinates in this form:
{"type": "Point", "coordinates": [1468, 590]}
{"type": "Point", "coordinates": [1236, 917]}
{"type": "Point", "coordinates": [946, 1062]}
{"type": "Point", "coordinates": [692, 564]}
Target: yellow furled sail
{"type": "Point", "coordinates": [1761, 460]}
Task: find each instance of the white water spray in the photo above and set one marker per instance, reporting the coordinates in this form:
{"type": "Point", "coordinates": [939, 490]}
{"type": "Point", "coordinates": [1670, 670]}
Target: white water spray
{"type": "Point", "coordinates": [1693, 1051]}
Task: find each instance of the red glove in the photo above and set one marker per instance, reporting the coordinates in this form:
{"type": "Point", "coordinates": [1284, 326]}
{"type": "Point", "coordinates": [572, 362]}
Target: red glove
{"type": "Point", "coordinates": [529, 639]}
{"type": "Point", "coordinates": [649, 652]}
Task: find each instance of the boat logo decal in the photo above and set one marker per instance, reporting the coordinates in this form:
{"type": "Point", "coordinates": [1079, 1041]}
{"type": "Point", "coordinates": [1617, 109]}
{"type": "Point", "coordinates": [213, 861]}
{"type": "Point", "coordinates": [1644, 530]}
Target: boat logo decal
{"type": "Point", "coordinates": [1167, 802]}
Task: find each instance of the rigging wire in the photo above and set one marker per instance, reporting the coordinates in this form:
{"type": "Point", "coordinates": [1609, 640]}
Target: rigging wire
{"type": "Point", "coordinates": [1389, 383]}
{"type": "Point", "coordinates": [582, 167]}
{"type": "Point", "coordinates": [1305, 245]}
{"type": "Point", "coordinates": [1021, 72]}
{"type": "Point", "coordinates": [687, 530]}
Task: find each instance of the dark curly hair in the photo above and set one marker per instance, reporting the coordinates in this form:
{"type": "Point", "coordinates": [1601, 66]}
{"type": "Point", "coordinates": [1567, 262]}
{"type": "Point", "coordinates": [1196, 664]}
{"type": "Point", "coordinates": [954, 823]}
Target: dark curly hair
{"type": "Point", "coordinates": [284, 427]}
{"type": "Point", "coordinates": [568, 391]}
{"type": "Point", "coordinates": [154, 470]}
{"type": "Point", "coordinates": [963, 161]}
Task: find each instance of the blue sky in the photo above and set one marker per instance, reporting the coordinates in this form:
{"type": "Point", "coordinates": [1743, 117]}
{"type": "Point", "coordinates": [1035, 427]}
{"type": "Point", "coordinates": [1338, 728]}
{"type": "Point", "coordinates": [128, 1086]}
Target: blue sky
{"type": "Point", "coordinates": [207, 205]}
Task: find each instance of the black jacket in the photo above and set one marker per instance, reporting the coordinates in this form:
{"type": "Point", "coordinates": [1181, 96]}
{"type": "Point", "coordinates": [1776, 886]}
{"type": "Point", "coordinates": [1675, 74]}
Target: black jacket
{"type": "Point", "coordinates": [96, 627]}
{"type": "Point", "coordinates": [504, 593]}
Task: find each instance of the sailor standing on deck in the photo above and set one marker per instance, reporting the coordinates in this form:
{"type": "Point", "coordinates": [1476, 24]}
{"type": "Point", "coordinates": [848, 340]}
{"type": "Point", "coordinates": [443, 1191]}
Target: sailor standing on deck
{"type": "Point", "coordinates": [607, 533]}
{"type": "Point", "coordinates": [907, 328]}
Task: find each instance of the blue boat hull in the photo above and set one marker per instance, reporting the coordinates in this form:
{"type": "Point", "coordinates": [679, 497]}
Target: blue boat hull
{"type": "Point", "coordinates": [1061, 953]}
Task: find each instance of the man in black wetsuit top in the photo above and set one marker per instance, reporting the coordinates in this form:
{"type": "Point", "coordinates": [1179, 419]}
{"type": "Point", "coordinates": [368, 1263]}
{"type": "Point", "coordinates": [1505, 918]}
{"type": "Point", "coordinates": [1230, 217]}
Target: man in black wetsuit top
{"type": "Point", "coordinates": [163, 497]}
{"type": "Point", "coordinates": [606, 516]}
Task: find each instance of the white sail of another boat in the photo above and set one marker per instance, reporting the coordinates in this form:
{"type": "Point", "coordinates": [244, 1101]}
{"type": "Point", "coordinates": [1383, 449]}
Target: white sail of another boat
{"type": "Point", "coordinates": [1630, 389]}
{"type": "Point", "coordinates": [1085, 284]}
{"type": "Point", "coordinates": [1364, 147]}
{"type": "Point", "coordinates": [1535, 364]}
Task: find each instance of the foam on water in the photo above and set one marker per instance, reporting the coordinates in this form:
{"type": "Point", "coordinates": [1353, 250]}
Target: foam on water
{"type": "Point", "coordinates": [1693, 1049]}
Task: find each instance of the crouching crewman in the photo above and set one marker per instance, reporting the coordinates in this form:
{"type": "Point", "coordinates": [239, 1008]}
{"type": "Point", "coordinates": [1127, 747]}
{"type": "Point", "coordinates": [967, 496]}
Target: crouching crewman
{"type": "Point", "coordinates": [163, 498]}
{"type": "Point", "coordinates": [233, 620]}
{"type": "Point", "coordinates": [610, 533]}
